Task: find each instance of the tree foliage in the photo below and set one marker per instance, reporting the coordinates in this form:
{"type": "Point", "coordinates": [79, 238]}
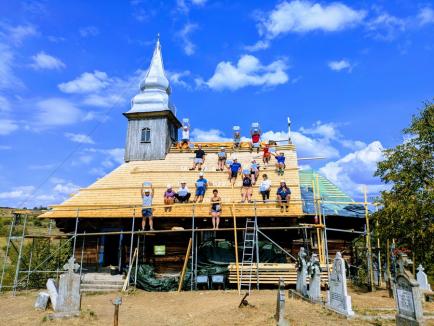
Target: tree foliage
{"type": "Point", "coordinates": [407, 212]}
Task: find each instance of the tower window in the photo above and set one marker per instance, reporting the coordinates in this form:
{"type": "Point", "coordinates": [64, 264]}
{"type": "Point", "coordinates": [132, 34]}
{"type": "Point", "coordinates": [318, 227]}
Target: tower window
{"type": "Point", "coordinates": [146, 135]}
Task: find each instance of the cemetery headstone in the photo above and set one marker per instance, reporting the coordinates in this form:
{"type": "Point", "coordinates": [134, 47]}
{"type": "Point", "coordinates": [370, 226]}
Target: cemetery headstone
{"type": "Point", "coordinates": [407, 296]}
{"type": "Point", "coordinates": [42, 300]}
{"type": "Point", "coordinates": [422, 279]}
{"type": "Point", "coordinates": [337, 297]}
{"type": "Point", "coordinates": [69, 297]}
{"type": "Point", "coordinates": [314, 270]}
{"type": "Point", "coordinates": [280, 305]}
{"type": "Point", "coordinates": [301, 286]}
{"type": "Point", "coordinates": [52, 292]}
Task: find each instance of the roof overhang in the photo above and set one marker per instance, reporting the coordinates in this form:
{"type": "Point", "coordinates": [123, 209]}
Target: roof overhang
{"type": "Point", "coordinates": [154, 114]}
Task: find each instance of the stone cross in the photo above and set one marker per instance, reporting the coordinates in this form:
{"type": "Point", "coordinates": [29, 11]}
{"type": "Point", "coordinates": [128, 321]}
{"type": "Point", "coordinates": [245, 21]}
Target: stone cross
{"type": "Point", "coordinates": [337, 297]}
{"type": "Point", "coordinates": [314, 270]}
{"type": "Point", "coordinates": [301, 286]}
{"type": "Point", "coordinates": [71, 266]}
{"type": "Point", "coordinates": [69, 297]}
{"type": "Point", "coordinates": [422, 279]}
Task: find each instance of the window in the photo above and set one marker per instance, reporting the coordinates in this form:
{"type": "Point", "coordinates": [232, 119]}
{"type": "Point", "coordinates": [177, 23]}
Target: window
{"type": "Point", "coordinates": [146, 135]}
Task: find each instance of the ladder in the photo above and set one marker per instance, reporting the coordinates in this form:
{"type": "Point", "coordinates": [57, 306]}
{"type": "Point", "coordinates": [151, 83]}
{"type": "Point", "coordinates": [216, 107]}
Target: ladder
{"type": "Point", "coordinates": [249, 255]}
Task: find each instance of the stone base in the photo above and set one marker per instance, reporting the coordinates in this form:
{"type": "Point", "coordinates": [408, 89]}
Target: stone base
{"type": "Point", "coordinates": [346, 313]}
{"type": "Point", "coordinates": [407, 321]}
{"type": "Point", "coordinates": [64, 315]}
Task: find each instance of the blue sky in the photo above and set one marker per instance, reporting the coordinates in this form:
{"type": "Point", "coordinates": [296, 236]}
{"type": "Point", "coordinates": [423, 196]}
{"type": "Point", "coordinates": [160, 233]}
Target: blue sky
{"type": "Point", "coordinates": [349, 74]}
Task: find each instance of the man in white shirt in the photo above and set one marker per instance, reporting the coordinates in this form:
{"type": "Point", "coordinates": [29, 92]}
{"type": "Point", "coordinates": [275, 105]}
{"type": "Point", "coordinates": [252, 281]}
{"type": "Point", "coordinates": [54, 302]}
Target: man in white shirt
{"type": "Point", "coordinates": [183, 195]}
{"type": "Point", "coordinates": [185, 140]}
{"type": "Point", "coordinates": [265, 187]}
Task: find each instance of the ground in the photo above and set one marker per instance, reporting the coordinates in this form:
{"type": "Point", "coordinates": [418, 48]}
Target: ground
{"type": "Point", "coordinates": [200, 308]}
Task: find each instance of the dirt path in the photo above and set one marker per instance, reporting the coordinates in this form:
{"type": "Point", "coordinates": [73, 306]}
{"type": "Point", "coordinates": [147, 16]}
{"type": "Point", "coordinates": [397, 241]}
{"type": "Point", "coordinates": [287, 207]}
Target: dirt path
{"type": "Point", "coordinates": [198, 308]}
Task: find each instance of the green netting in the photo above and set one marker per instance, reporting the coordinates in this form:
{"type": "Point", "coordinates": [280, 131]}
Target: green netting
{"type": "Point", "coordinates": [146, 280]}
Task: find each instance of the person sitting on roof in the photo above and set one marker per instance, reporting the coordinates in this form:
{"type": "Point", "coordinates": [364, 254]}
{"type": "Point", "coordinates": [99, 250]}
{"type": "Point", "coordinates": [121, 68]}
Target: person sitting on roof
{"type": "Point", "coordinates": [185, 140]}
{"type": "Point", "coordinates": [147, 196]}
{"type": "Point", "coordinates": [201, 185]}
{"type": "Point", "coordinates": [266, 155]}
{"type": "Point", "coordinates": [280, 164]}
{"type": "Point", "coordinates": [254, 171]}
{"type": "Point", "coordinates": [247, 187]}
{"type": "Point", "coordinates": [283, 195]}
{"type": "Point", "coordinates": [221, 159]}
{"type": "Point", "coordinates": [169, 198]}
{"type": "Point", "coordinates": [199, 158]}
{"type": "Point", "coordinates": [183, 195]}
{"type": "Point", "coordinates": [216, 209]}
{"type": "Point", "coordinates": [233, 170]}
{"type": "Point", "coordinates": [265, 187]}
{"type": "Point", "coordinates": [256, 139]}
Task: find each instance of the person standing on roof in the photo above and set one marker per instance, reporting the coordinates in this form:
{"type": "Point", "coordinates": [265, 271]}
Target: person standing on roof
{"type": "Point", "coordinates": [233, 171]}
{"type": "Point", "coordinates": [199, 158]}
{"type": "Point", "coordinates": [256, 139]}
{"type": "Point", "coordinates": [247, 187]}
{"type": "Point", "coordinates": [201, 186]}
{"type": "Point", "coordinates": [237, 137]}
{"type": "Point", "coordinates": [283, 195]}
{"type": "Point", "coordinates": [216, 209]}
{"type": "Point", "coordinates": [266, 155]}
{"type": "Point", "coordinates": [169, 198]}
{"type": "Point", "coordinates": [185, 139]}
{"type": "Point", "coordinates": [221, 159]}
{"type": "Point", "coordinates": [147, 196]}
{"type": "Point", "coordinates": [265, 187]}
{"type": "Point", "coordinates": [280, 164]}
{"type": "Point", "coordinates": [183, 194]}
{"type": "Point", "coordinates": [254, 171]}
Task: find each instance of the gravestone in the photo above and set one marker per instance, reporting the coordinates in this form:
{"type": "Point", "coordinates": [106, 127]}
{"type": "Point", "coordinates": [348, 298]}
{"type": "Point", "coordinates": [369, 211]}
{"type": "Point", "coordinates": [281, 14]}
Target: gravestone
{"type": "Point", "coordinates": [337, 296]}
{"type": "Point", "coordinates": [52, 291]}
{"type": "Point", "coordinates": [42, 300]}
{"type": "Point", "coordinates": [422, 279]}
{"type": "Point", "coordinates": [314, 270]}
{"type": "Point", "coordinates": [301, 286]}
{"type": "Point", "coordinates": [280, 305]}
{"type": "Point", "coordinates": [69, 297]}
{"type": "Point", "coordinates": [407, 296]}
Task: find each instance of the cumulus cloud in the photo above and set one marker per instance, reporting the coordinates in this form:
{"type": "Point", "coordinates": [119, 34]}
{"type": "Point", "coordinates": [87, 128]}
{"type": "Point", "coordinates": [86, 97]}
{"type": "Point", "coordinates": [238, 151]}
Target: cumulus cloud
{"type": "Point", "coordinates": [340, 65]}
{"type": "Point", "coordinates": [356, 169]}
{"type": "Point", "coordinates": [7, 126]}
{"type": "Point", "coordinates": [184, 34]}
{"type": "Point", "coordinates": [46, 61]}
{"type": "Point", "coordinates": [208, 135]}
{"type": "Point", "coordinates": [385, 27]}
{"type": "Point", "coordinates": [248, 71]}
{"type": "Point", "coordinates": [87, 82]}
{"type": "Point", "coordinates": [176, 77]}
{"type": "Point", "coordinates": [17, 34]}
{"type": "Point", "coordinates": [57, 112]}
{"type": "Point", "coordinates": [426, 16]}
{"type": "Point", "coordinates": [79, 138]}
{"type": "Point", "coordinates": [301, 16]}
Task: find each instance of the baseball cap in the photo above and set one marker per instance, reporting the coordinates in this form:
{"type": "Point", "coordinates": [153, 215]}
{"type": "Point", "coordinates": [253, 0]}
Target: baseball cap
{"type": "Point", "coordinates": [201, 174]}
{"type": "Point", "coordinates": [169, 186]}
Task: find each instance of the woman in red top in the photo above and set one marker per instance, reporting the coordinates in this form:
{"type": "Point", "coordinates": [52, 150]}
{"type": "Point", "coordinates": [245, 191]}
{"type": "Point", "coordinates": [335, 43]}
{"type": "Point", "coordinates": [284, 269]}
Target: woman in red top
{"type": "Point", "coordinates": [267, 155]}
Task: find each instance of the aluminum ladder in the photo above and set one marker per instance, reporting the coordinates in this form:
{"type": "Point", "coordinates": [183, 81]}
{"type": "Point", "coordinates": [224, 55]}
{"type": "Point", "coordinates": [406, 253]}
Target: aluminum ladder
{"type": "Point", "coordinates": [249, 255]}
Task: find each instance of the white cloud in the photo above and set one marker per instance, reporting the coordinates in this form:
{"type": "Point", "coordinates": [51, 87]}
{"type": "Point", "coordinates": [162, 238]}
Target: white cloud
{"type": "Point", "coordinates": [385, 27]}
{"type": "Point", "coordinates": [89, 31]}
{"type": "Point", "coordinates": [46, 61]}
{"type": "Point", "coordinates": [340, 65]}
{"type": "Point", "coordinates": [7, 126]}
{"type": "Point", "coordinates": [102, 100]}
{"type": "Point", "coordinates": [325, 130]}
{"type": "Point", "coordinates": [66, 188]}
{"type": "Point", "coordinates": [198, 2]}
{"type": "Point", "coordinates": [79, 138]}
{"type": "Point", "coordinates": [57, 112]}
{"type": "Point", "coordinates": [208, 135]}
{"type": "Point", "coordinates": [17, 34]}
{"type": "Point", "coordinates": [259, 45]}
{"type": "Point", "coordinates": [8, 79]}
{"type": "Point", "coordinates": [17, 192]}
{"type": "Point", "coordinates": [356, 169]}
{"type": "Point", "coordinates": [5, 106]}
{"type": "Point", "coordinates": [184, 34]}
{"type": "Point", "coordinates": [426, 16]}
{"type": "Point", "coordinates": [301, 16]}
{"type": "Point", "coordinates": [249, 71]}
{"type": "Point", "coordinates": [87, 82]}
{"type": "Point", "coordinates": [176, 78]}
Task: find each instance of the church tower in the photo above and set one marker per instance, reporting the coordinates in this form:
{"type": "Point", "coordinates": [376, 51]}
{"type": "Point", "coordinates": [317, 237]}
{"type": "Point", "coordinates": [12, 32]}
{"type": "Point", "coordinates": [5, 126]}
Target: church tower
{"type": "Point", "coordinates": [152, 122]}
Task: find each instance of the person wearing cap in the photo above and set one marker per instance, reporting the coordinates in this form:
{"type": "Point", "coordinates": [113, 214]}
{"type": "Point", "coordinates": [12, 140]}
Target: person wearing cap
{"type": "Point", "coordinates": [280, 164]}
{"type": "Point", "coordinates": [221, 159]}
{"type": "Point", "coordinates": [247, 187]}
{"type": "Point", "coordinates": [256, 139]}
{"type": "Point", "coordinates": [201, 185]}
{"type": "Point", "coordinates": [185, 140]}
{"type": "Point", "coordinates": [283, 195]}
{"type": "Point", "coordinates": [147, 196]}
{"type": "Point", "coordinates": [183, 194]}
{"type": "Point", "coordinates": [199, 158]}
{"type": "Point", "coordinates": [233, 170]}
{"type": "Point", "coordinates": [265, 187]}
{"type": "Point", "coordinates": [254, 171]}
{"type": "Point", "coordinates": [169, 198]}
{"type": "Point", "coordinates": [216, 208]}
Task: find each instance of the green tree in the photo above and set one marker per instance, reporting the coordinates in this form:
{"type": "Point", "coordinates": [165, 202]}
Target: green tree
{"type": "Point", "coordinates": [407, 212]}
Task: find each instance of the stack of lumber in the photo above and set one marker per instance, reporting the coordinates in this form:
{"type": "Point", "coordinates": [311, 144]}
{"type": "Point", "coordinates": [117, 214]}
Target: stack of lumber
{"type": "Point", "coordinates": [270, 273]}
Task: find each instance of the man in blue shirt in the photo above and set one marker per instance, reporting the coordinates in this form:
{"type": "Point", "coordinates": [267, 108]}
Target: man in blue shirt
{"type": "Point", "coordinates": [234, 169]}
{"type": "Point", "coordinates": [201, 185]}
{"type": "Point", "coordinates": [283, 195]}
{"type": "Point", "coordinates": [280, 165]}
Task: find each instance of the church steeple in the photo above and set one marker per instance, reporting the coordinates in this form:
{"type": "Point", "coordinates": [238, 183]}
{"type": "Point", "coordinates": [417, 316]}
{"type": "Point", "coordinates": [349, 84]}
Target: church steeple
{"type": "Point", "coordinates": [154, 88]}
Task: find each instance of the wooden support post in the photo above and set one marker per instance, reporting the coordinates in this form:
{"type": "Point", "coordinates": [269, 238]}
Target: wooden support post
{"type": "Point", "coordinates": [368, 243]}
{"type": "Point", "coordinates": [184, 267]}
{"type": "Point", "coordinates": [117, 302]}
{"type": "Point", "coordinates": [236, 249]}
